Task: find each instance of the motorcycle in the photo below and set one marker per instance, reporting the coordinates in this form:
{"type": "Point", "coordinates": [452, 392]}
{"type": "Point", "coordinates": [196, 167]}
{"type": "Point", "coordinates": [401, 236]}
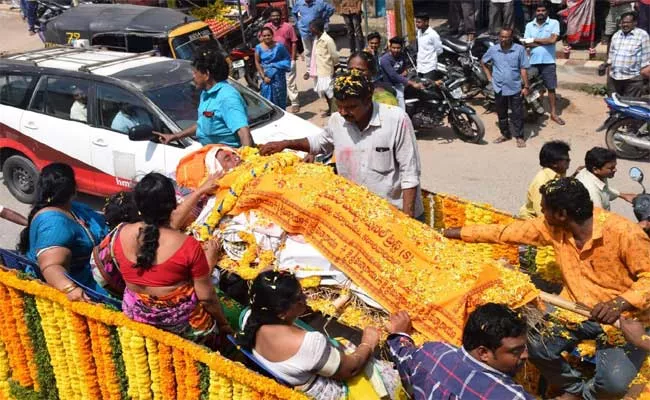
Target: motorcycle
{"type": "Point", "coordinates": [46, 11]}
{"type": "Point", "coordinates": [627, 127]}
{"type": "Point", "coordinates": [641, 203]}
{"type": "Point", "coordinates": [429, 106]}
{"type": "Point", "coordinates": [242, 57]}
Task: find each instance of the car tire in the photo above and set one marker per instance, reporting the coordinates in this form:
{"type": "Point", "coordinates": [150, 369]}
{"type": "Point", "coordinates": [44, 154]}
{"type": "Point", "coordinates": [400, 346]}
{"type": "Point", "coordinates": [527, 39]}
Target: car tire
{"type": "Point", "coordinates": [20, 176]}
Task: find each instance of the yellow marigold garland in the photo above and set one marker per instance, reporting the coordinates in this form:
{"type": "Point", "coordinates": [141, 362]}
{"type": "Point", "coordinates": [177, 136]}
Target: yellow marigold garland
{"type": "Point", "coordinates": [220, 387]}
{"type": "Point", "coordinates": [18, 308]}
{"type": "Point", "coordinates": [154, 368]}
{"type": "Point", "coordinates": [546, 265]}
{"type": "Point", "coordinates": [181, 373]}
{"type": "Point", "coordinates": [55, 346]}
{"type": "Point", "coordinates": [143, 375]}
{"type": "Point", "coordinates": [129, 361]}
{"type": "Point", "coordinates": [167, 379]}
{"type": "Point", "coordinates": [192, 379]}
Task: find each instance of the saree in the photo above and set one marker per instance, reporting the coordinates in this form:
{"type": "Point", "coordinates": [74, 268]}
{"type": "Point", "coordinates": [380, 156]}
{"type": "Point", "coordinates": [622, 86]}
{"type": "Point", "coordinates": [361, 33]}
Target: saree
{"type": "Point", "coordinates": [581, 25]}
{"type": "Point", "coordinates": [179, 312]}
{"type": "Point", "coordinates": [276, 62]}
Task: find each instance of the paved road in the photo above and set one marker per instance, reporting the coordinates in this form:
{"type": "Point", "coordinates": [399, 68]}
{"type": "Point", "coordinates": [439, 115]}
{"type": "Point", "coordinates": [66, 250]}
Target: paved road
{"type": "Point", "coordinates": [496, 174]}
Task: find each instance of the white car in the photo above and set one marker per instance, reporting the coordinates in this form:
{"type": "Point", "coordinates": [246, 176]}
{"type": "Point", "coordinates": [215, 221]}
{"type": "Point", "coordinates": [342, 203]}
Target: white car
{"type": "Point", "coordinates": [60, 104]}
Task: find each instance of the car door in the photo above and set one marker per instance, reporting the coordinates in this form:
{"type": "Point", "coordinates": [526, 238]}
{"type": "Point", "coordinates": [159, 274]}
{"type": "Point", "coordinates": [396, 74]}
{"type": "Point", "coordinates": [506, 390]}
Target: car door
{"type": "Point", "coordinates": [122, 161]}
{"type": "Point", "coordinates": [56, 120]}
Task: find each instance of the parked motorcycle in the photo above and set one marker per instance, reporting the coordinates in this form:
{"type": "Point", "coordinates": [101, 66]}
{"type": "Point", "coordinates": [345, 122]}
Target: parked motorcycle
{"type": "Point", "coordinates": [242, 57]}
{"type": "Point", "coordinates": [627, 127]}
{"type": "Point", "coordinates": [428, 108]}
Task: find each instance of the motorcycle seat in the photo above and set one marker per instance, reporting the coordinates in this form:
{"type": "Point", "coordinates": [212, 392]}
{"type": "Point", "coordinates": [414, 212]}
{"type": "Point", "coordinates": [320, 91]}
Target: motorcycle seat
{"type": "Point", "coordinates": [635, 101]}
{"type": "Point", "coordinates": [457, 45]}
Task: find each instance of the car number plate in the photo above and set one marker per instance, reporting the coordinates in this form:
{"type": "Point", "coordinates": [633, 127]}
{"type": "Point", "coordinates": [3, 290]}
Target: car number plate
{"type": "Point", "coordinates": [238, 64]}
{"type": "Point", "coordinates": [533, 96]}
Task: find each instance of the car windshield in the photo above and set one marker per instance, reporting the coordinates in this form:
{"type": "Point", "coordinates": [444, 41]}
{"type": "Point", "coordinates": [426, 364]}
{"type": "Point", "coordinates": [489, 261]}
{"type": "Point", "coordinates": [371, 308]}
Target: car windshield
{"type": "Point", "coordinates": [181, 101]}
{"type": "Point", "coordinates": [186, 45]}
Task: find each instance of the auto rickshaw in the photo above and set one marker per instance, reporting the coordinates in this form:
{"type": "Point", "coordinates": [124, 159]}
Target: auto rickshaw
{"type": "Point", "coordinates": [128, 28]}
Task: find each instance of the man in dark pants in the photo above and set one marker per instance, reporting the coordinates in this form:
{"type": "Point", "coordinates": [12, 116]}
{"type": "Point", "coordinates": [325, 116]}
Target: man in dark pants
{"type": "Point", "coordinates": [351, 12]}
{"type": "Point", "coordinates": [505, 58]}
{"type": "Point", "coordinates": [464, 9]}
{"type": "Point", "coordinates": [629, 53]}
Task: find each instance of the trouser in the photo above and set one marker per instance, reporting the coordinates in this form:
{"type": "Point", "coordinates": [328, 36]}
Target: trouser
{"type": "Point", "coordinates": [514, 103]}
{"type": "Point", "coordinates": [431, 75]}
{"type": "Point", "coordinates": [464, 8]}
{"type": "Point", "coordinates": [633, 87]}
{"type": "Point", "coordinates": [31, 15]}
{"type": "Point", "coordinates": [614, 17]}
{"type": "Point", "coordinates": [644, 16]}
{"type": "Point", "coordinates": [355, 34]}
{"type": "Point", "coordinates": [400, 96]}
{"type": "Point", "coordinates": [308, 44]}
{"type": "Point", "coordinates": [292, 88]}
{"type": "Point", "coordinates": [615, 366]}
{"type": "Point", "coordinates": [501, 15]}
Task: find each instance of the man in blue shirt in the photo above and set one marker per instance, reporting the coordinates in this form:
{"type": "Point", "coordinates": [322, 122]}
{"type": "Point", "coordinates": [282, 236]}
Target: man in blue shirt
{"type": "Point", "coordinates": [509, 64]}
{"type": "Point", "coordinates": [305, 12]}
{"type": "Point", "coordinates": [540, 36]}
{"type": "Point", "coordinates": [222, 117]}
{"type": "Point", "coordinates": [393, 69]}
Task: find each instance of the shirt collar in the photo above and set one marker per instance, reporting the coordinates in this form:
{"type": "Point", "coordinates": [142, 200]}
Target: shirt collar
{"type": "Point", "coordinates": [217, 86]}
{"type": "Point", "coordinates": [512, 48]}
{"type": "Point", "coordinates": [546, 21]}
{"type": "Point", "coordinates": [483, 366]}
{"type": "Point", "coordinates": [548, 172]}
{"type": "Point", "coordinates": [595, 180]}
{"type": "Point", "coordinates": [375, 119]}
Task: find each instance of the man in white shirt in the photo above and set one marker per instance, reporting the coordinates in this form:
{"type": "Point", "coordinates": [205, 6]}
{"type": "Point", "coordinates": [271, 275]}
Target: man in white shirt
{"type": "Point", "coordinates": [78, 111]}
{"type": "Point", "coordinates": [600, 165]}
{"type": "Point", "coordinates": [429, 46]}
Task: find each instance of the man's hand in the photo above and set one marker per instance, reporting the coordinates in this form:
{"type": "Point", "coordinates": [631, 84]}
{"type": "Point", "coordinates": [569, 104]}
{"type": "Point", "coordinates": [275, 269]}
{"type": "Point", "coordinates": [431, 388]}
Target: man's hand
{"type": "Point", "coordinates": [267, 80]}
{"type": "Point", "coordinates": [370, 337]}
{"type": "Point", "coordinates": [272, 147]}
{"type": "Point", "coordinates": [451, 233]}
{"type": "Point", "coordinates": [634, 332]}
{"type": "Point", "coordinates": [165, 137]}
{"type": "Point", "coordinates": [524, 92]}
{"type": "Point", "coordinates": [629, 197]}
{"type": "Point", "coordinates": [210, 183]}
{"type": "Point", "coordinates": [609, 312]}
{"type": "Point", "coordinates": [400, 323]}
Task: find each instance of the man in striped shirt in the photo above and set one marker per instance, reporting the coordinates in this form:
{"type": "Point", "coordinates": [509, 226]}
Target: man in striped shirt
{"type": "Point", "coordinates": [494, 348]}
{"type": "Point", "coordinates": [629, 53]}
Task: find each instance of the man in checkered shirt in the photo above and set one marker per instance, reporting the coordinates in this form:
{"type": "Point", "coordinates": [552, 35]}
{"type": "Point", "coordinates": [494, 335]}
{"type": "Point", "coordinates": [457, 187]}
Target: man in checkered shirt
{"type": "Point", "coordinates": [629, 53]}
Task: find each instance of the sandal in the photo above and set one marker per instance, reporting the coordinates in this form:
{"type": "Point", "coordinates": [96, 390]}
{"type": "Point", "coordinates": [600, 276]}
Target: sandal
{"type": "Point", "coordinates": [558, 120]}
{"type": "Point", "coordinates": [502, 139]}
{"type": "Point", "coordinates": [521, 143]}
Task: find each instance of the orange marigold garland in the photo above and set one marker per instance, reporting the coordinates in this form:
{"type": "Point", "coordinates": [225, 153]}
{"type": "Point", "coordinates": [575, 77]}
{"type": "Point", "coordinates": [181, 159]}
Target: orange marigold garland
{"type": "Point", "coordinates": [4, 372]}
{"type": "Point", "coordinates": [110, 370]}
{"type": "Point", "coordinates": [167, 379]}
{"type": "Point", "coordinates": [18, 308]}
{"type": "Point", "coordinates": [84, 356]}
{"type": "Point", "coordinates": [192, 379]}
{"type": "Point", "coordinates": [181, 373]}
{"type": "Point", "coordinates": [17, 360]}
{"type": "Point", "coordinates": [97, 353]}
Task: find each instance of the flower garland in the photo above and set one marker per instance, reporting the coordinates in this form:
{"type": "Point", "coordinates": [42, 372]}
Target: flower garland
{"type": "Point", "coordinates": [111, 377]}
{"type": "Point", "coordinates": [84, 356]}
{"type": "Point", "coordinates": [204, 384]}
{"type": "Point", "coordinates": [46, 379]}
{"type": "Point", "coordinates": [4, 372]}
{"type": "Point", "coordinates": [99, 359]}
{"type": "Point", "coordinates": [154, 368]}
{"type": "Point", "coordinates": [129, 361]}
{"type": "Point", "coordinates": [167, 379]}
{"type": "Point", "coordinates": [193, 379]}
{"type": "Point", "coordinates": [181, 373]}
{"type": "Point", "coordinates": [18, 308]}
{"type": "Point", "coordinates": [135, 361]}
{"type": "Point", "coordinates": [19, 369]}
{"type": "Point", "coordinates": [118, 360]}
{"type": "Point", "coordinates": [220, 387]}
{"type": "Point", "coordinates": [68, 349]}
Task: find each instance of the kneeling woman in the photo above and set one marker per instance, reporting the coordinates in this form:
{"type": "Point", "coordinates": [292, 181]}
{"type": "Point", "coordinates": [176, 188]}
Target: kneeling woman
{"type": "Point", "coordinates": [167, 275]}
{"type": "Point", "coordinates": [305, 360]}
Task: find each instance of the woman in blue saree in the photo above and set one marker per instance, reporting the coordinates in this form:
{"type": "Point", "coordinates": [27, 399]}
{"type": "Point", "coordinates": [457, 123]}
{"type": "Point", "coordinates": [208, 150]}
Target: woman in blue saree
{"type": "Point", "coordinates": [61, 233]}
{"type": "Point", "coordinates": [273, 62]}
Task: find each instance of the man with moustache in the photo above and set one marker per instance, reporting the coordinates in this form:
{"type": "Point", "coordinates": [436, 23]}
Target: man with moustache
{"type": "Point", "coordinates": [374, 144]}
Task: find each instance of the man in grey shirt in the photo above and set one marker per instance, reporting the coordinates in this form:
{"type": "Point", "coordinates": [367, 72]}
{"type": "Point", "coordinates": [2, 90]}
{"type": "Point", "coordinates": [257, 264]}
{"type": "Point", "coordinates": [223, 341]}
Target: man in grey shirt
{"type": "Point", "coordinates": [374, 145]}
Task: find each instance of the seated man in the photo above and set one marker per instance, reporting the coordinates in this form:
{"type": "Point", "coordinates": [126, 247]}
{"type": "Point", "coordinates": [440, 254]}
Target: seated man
{"type": "Point", "coordinates": [605, 264]}
{"type": "Point", "coordinates": [78, 111]}
{"type": "Point", "coordinates": [128, 117]}
{"type": "Point", "coordinates": [494, 348]}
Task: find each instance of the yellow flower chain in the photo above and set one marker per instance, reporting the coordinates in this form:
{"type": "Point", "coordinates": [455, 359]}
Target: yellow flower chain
{"type": "Point", "coordinates": [129, 361]}
{"type": "Point", "coordinates": [18, 308]}
{"type": "Point", "coordinates": [154, 368]}
{"type": "Point", "coordinates": [69, 349]}
{"type": "Point", "coordinates": [54, 344]}
{"type": "Point", "coordinates": [220, 387]}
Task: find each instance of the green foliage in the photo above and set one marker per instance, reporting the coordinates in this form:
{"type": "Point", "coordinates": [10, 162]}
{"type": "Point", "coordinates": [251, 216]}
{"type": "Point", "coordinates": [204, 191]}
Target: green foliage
{"type": "Point", "coordinates": [22, 393]}
{"type": "Point", "coordinates": [214, 10]}
{"type": "Point", "coordinates": [595, 89]}
{"type": "Point", "coordinates": [116, 355]}
{"type": "Point", "coordinates": [46, 378]}
{"type": "Point", "coordinates": [204, 379]}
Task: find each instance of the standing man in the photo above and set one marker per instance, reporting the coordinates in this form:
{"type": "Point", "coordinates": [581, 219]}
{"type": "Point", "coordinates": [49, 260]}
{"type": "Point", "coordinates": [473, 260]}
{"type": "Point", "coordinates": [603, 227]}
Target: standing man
{"type": "Point", "coordinates": [222, 116]}
{"type": "Point", "coordinates": [284, 33]}
{"type": "Point", "coordinates": [629, 53]}
{"type": "Point", "coordinates": [501, 15]}
{"type": "Point", "coordinates": [529, 8]}
{"type": "Point", "coordinates": [605, 264]}
{"type": "Point", "coordinates": [600, 166]}
{"type": "Point", "coordinates": [544, 32]}
{"type": "Point", "coordinates": [393, 69]}
{"type": "Point", "coordinates": [429, 46]}
{"type": "Point", "coordinates": [506, 58]}
{"type": "Point", "coordinates": [324, 62]}
{"type": "Point", "coordinates": [374, 145]}
{"type": "Point", "coordinates": [351, 12]}
{"type": "Point", "coordinates": [305, 11]}
{"type": "Point", "coordinates": [374, 42]}
{"type": "Point", "coordinates": [462, 9]}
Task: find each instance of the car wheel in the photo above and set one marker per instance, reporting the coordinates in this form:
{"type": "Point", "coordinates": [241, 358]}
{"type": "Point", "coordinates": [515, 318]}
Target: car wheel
{"type": "Point", "coordinates": [20, 176]}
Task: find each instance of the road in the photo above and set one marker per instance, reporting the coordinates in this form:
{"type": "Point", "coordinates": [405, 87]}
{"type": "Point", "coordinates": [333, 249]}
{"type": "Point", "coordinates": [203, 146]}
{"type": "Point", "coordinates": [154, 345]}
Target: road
{"type": "Point", "coordinates": [489, 173]}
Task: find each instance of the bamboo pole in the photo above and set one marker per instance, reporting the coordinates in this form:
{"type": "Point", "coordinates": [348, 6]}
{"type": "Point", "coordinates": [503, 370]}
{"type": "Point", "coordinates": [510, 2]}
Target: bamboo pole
{"type": "Point", "coordinates": [560, 302]}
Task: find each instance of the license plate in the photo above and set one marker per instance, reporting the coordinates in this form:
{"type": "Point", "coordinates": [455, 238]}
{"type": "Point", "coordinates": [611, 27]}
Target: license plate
{"type": "Point", "coordinates": [533, 96]}
{"type": "Point", "coordinates": [238, 64]}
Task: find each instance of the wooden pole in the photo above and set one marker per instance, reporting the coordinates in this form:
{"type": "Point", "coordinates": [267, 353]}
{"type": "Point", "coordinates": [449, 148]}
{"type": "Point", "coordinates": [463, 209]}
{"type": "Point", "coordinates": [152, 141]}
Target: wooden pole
{"type": "Point", "coordinates": [560, 302]}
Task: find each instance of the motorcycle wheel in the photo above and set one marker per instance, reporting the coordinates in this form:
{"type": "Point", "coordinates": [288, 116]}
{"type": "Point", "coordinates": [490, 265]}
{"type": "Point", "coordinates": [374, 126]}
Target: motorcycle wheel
{"type": "Point", "coordinates": [252, 80]}
{"type": "Point", "coordinates": [468, 127]}
{"type": "Point", "coordinates": [627, 126]}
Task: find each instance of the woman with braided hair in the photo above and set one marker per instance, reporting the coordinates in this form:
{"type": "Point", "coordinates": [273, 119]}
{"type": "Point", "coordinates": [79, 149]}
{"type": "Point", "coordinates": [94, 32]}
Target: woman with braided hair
{"type": "Point", "coordinates": [167, 273]}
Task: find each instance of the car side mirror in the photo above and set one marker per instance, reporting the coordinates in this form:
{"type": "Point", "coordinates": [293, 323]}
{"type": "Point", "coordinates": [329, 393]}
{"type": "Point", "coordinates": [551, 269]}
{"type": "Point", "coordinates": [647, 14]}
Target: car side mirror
{"type": "Point", "coordinates": [636, 174]}
{"type": "Point", "coordinates": [140, 133]}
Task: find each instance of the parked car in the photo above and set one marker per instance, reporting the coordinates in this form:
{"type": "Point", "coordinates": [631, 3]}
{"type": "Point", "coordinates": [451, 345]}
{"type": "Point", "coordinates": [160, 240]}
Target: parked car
{"type": "Point", "coordinates": [62, 104]}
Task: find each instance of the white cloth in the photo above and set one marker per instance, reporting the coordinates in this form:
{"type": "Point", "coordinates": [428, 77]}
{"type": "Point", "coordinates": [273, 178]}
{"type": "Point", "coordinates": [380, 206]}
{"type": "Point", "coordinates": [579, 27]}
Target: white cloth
{"type": "Point", "coordinates": [78, 112]}
{"type": "Point", "coordinates": [324, 86]}
{"type": "Point", "coordinates": [315, 354]}
{"type": "Point", "coordinates": [429, 46]}
{"type": "Point", "coordinates": [383, 157]}
{"type": "Point", "coordinates": [500, 1]}
{"type": "Point", "coordinates": [600, 192]}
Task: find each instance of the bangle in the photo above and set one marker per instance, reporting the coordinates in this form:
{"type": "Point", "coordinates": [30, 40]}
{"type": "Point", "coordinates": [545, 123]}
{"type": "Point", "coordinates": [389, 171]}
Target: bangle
{"type": "Point", "coordinates": [366, 344]}
{"type": "Point", "coordinates": [69, 288]}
